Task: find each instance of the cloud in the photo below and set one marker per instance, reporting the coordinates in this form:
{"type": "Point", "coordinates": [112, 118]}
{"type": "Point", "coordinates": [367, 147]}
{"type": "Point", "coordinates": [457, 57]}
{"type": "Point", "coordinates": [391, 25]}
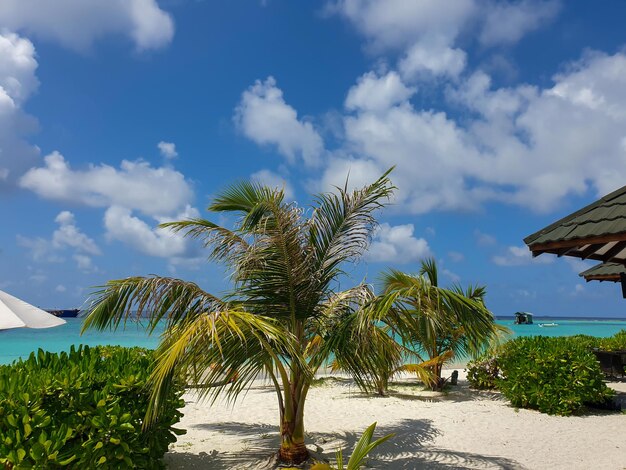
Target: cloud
{"type": "Point", "coordinates": [538, 143]}
{"type": "Point", "coordinates": [484, 239]}
{"type": "Point", "coordinates": [436, 60]}
{"type": "Point", "coordinates": [454, 277]}
{"type": "Point", "coordinates": [397, 24]}
{"type": "Point", "coordinates": [265, 118]}
{"type": "Point", "coordinates": [274, 180]}
{"type": "Point", "coordinates": [69, 235]}
{"type": "Point", "coordinates": [522, 145]}
{"type": "Point", "coordinates": [77, 24]}
{"type": "Point", "coordinates": [509, 22]}
{"type": "Point", "coordinates": [60, 288]}
{"type": "Point", "coordinates": [41, 250]}
{"type": "Point", "coordinates": [456, 256]}
{"type": "Point", "coordinates": [134, 190]}
{"type": "Point", "coordinates": [17, 83]}
{"type": "Point", "coordinates": [84, 263]}
{"type": "Point", "coordinates": [520, 256]}
{"type": "Point", "coordinates": [396, 244]}
{"type": "Point", "coordinates": [427, 31]}
{"type": "Point", "coordinates": [579, 265]}
{"type": "Point", "coordinates": [374, 93]}
{"type": "Point", "coordinates": [167, 149]}
{"type": "Point", "coordinates": [358, 171]}
{"type": "Point", "coordinates": [123, 226]}
{"type": "Point", "coordinates": [135, 185]}
{"type": "Point", "coordinates": [431, 153]}
{"type": "Point", "coordinates": [66, 237]}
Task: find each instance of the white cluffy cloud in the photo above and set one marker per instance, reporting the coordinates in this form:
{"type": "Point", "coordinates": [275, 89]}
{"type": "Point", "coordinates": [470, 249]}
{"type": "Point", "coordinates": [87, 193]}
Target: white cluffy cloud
{"type": "Point", "coordinates": [17, 83]}
{"type": "Point", "coordinates": [520, 256]}
{"type": "Point", "coordinates": [135, 185]}
{"type": "Point", "coordinates": [509, 22]}
{"type": "Point", "coordinates": [123, 226]}
{"type": "Point", "coordinates": [67, 237]}
{"type": "Point", "coordinates": [524, 145]}
{"type": "Point", "coordinates": [374, 93]}
{"type": "Point", "coordinates": [159, 194]}
{"type": "Point", "coordinates": [264, 117]}
{"type": "Point", "coordinates": [76, 24]}
{"type": "Point", "coordinates": [427, 31]}
{"type": "Point", "coordinates": [397, 244]}
{"type": "Point", "coordinates": [167, 149]}
{"type": "Point", "coordinates": [432, 59]}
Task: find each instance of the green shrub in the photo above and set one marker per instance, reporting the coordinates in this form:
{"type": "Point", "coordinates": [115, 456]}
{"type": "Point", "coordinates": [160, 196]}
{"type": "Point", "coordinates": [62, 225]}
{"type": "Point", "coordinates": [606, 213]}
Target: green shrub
{"type": "Point", "coordinates": [84, 409]}
{"type": "Point", "coordinates": [483, 372]}
{"type": "Point", "coordinates": [617, 342]}
{"type": "Point", "coordinates": [553, 375]}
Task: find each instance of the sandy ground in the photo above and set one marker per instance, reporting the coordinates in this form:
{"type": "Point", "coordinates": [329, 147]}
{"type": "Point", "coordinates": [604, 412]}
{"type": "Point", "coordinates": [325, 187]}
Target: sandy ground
{"type": "Point", "coordinates": [463, 428]}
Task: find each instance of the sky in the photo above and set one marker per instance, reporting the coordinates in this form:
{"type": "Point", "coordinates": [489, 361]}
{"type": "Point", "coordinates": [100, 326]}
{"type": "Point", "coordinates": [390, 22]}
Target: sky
{"type": "Point", "coordinates": [499, 116]}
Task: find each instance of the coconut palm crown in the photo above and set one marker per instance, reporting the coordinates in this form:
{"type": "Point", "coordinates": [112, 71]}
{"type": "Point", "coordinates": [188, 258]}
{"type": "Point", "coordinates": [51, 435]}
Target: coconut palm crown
{"type": "Point", "coordinates": [283, 318]}
{"type": "Point", "coordinates": [436, 324]}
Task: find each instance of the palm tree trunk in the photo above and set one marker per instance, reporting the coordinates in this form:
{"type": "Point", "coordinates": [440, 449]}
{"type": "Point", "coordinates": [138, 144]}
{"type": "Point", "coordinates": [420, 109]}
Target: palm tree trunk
{"type": "Point", "coordinates": [292, 449]}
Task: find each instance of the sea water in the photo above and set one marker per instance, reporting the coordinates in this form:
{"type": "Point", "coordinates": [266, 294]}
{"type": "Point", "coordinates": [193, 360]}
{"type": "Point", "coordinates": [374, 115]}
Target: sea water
{"type": "Point", "coordinates": [20, 342]}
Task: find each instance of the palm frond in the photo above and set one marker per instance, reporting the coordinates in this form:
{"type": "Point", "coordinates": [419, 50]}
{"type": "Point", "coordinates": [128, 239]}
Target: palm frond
{"type": "Point", "coordinates": [362, 347]}
{"type": "Point", "coordinates": [225, 244]}
{"type": "Point", "coordinates": [243, 197]}
{"type": "Point", "coordinates": [343, 223]}
{"type": "Point", "coordinates": [148, 298]}
{"type": "Point", "coordinates": [225, 350]}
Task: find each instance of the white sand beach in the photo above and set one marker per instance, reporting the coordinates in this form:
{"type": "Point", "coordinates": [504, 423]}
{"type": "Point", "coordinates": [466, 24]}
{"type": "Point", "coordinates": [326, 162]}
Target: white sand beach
{"type": "Point", "coordinates": [463, 428]}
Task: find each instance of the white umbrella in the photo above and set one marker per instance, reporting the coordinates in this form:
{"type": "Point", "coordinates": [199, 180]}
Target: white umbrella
{"type": "Point", "coordinates": [15, 313]}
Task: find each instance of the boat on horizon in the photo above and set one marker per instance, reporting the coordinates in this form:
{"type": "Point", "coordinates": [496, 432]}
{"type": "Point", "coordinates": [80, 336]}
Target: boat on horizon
{"type": "Point", "coordinates": [64, 313]}
{"type": "Point", "coordinates": [542, 325]}
{"type": "Point", "coordinates": [523, 318]}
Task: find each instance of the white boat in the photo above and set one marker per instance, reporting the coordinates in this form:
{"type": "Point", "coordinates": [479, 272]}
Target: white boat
{"type": "Point", "coordinates": [548, 324]}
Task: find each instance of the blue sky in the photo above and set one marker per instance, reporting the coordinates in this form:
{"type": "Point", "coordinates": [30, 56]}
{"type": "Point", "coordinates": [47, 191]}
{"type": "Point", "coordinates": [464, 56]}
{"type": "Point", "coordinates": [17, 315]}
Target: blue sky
{"type": "Point", "coordinates": [500, 118]}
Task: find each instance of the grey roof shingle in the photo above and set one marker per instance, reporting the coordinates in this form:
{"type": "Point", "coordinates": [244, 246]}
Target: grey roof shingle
{"type": "Point", "coordinates": [604, 272]}
{"type": "Point", "coordinates": [597, 231]}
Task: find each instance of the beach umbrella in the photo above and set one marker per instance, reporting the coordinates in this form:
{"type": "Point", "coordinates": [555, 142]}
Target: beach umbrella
{"type": "Point", "coordinates": [597, 231]}
{"type": "Point", "coordinates": [15, 313]}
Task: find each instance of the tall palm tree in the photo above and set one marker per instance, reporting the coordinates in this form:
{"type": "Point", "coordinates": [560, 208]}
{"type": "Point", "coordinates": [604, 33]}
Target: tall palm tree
{"type": "Point", "coordinates": [283, 317]}
{"type": "Point", "coordinates": [436, 324]}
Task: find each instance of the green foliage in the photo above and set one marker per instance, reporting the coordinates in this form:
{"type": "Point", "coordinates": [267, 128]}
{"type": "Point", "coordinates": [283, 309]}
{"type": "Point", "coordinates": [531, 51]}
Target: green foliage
{"type": "Point", "coordinates": [436, 324]}
{"type": "Point", "coordinates": [617, 342]}
{"type": "Point", "coordinates": [284, 316]}
{"type": "Point", "coordinates": [363, 447]}
{"type": "Point", "coordinates": [553, 375]}
{"type": "Point", "coordinates": [483, 372]}
{"type": "Point", "coordinates": [83, 409]}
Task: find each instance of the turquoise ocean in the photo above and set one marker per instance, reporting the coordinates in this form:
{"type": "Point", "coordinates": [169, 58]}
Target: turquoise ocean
{"type": "Point", "coordinates": [20, 342]}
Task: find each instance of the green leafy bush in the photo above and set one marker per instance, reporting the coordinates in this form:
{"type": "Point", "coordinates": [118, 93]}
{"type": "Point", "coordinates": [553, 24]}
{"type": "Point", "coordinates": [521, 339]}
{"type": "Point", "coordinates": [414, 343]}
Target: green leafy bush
{"type": "Point", "coordinates": [617, 342]}
{"type": "Point", "coordinates": [483, 372]}
{"type": "Point", "coordinates": [84, 409]}
{"type": "Point", "coordinates": [553, 375]}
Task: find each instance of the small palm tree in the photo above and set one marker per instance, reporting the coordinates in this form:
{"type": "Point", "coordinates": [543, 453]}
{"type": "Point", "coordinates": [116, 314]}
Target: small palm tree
{"type": "Point", "coordinates": [283, 318]}
{"type": "Point", "coordinates": [436, 324]}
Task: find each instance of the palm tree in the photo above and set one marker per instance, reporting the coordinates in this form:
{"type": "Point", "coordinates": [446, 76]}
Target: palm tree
{"type": "Point", "coordinates": [436, 324]}
{"type": "Point", "coordinates": [283, 317]}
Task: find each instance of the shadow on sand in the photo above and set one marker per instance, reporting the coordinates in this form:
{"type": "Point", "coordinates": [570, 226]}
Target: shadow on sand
{"type": "Point", "coordinates": [409, 449]}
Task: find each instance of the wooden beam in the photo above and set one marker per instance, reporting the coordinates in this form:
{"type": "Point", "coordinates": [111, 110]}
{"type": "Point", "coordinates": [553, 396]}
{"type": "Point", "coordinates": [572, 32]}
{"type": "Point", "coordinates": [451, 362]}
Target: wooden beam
{"type": "Point", "coordinates": [602, 277]}
{"type": "Point", "coordinates": [610, 254]}
{"type": "Point", "coordinates": [591, 249]}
